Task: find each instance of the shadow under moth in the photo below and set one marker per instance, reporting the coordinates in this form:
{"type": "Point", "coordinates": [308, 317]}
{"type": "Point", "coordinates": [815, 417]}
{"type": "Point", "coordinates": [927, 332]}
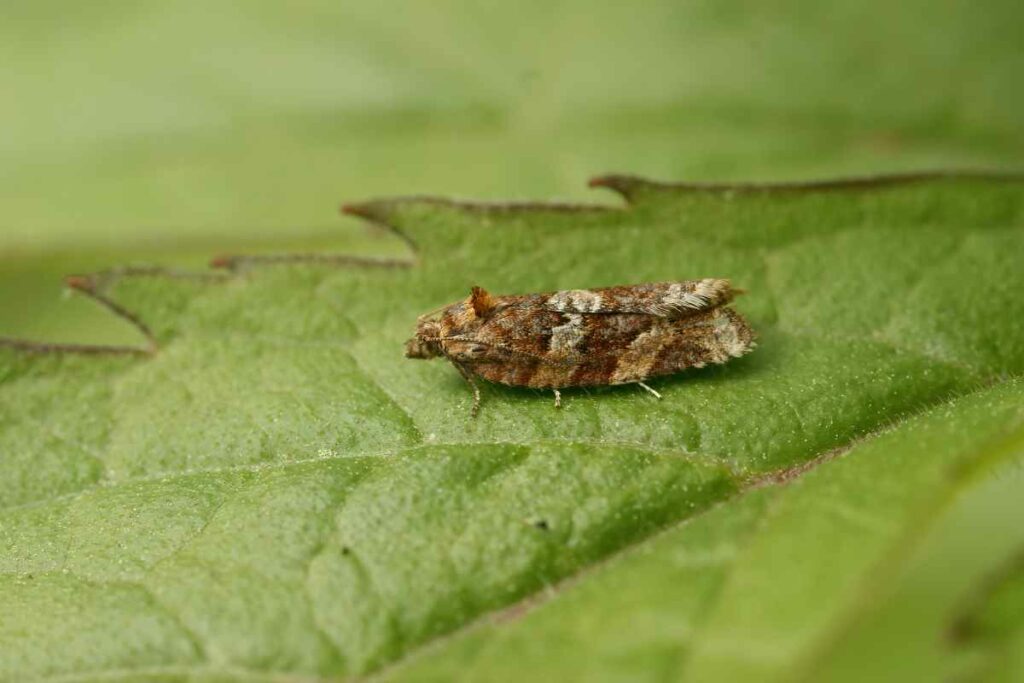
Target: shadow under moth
{"type": "Point", "coordinates": [585, 337]}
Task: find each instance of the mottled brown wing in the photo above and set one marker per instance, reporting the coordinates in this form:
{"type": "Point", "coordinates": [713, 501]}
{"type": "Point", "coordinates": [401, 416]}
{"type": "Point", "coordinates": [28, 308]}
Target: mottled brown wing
{"type": "Point", "coordinates": [538, 347]}
{"type": "Point", "coordinates": [661, 299]}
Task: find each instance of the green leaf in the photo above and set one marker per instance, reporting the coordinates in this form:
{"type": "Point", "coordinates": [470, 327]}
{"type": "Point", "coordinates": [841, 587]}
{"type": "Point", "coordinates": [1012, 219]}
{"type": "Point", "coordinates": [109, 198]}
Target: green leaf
{"type": "Point", "coordinates": [822, 579]}
{"type": "Point", "coordinates": [991, 626]}
{"type": "Point", "coordinates": [275, 491]}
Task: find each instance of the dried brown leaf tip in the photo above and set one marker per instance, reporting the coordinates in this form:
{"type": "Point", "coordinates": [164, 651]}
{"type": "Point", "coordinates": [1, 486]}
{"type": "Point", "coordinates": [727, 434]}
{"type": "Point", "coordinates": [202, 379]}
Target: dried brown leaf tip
{"type": "Point", "coordinates": [585, 337]}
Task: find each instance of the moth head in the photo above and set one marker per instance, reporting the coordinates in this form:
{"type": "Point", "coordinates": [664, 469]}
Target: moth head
{"type": "Point", "coordinates": [426, 343]}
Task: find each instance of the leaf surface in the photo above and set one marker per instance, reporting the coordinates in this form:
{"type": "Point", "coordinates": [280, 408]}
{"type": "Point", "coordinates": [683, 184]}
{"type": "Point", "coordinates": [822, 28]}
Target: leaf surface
{"type": "Point", "coordinates": [276, 491]}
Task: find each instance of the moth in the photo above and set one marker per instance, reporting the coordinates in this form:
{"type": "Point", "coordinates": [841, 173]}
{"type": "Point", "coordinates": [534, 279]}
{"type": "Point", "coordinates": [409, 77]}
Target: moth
{"type": "Point", "coordinates": [585, 337]}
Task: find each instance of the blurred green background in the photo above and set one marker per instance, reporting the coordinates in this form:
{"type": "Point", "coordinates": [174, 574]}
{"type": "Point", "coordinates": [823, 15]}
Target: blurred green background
{"type": "Point", "coordinates": [156, 132]}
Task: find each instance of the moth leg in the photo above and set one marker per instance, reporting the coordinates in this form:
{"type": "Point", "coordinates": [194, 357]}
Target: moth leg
{"type": "Point", "coordinates": [558, 398]}
{"type": "Point", "coordinates": [468, 376]}
{"type": "Point", "coordinates": [652, 391]}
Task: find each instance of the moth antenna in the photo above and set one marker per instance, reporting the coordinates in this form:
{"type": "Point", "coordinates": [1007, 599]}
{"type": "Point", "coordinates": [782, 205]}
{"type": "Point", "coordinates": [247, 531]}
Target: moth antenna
{"type": "Point", "coordinates": [430, 314]}
{"type": "Point", "coordinates": [457, 337]}
{"type": "Point", "coordinates": [491, 345]}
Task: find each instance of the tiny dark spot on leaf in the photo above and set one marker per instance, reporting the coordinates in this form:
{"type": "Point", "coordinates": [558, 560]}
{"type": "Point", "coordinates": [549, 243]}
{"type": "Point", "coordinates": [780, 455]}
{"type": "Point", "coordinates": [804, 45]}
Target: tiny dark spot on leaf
{"type": "Point", "coordinates": [961, 631]}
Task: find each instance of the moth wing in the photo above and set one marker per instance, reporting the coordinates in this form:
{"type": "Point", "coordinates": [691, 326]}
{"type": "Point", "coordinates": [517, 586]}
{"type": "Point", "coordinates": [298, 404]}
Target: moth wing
{"type": "Point", "coordinates": [544, 349]}
{"type": "Point", "coordinates": [662, 299]}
